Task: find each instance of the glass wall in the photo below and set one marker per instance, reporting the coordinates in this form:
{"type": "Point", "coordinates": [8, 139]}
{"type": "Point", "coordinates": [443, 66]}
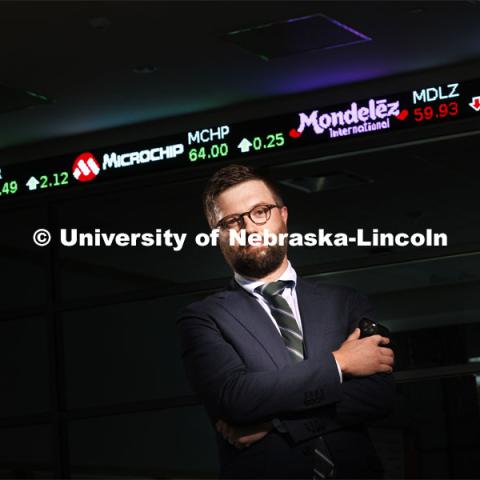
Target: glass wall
{"type": "Point", "coordinates": [431, 308]}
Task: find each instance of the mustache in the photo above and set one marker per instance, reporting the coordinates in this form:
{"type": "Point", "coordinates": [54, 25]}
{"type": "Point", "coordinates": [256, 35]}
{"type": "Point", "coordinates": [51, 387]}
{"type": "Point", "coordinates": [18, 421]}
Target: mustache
{"type": "Point", "coordinates": [253, 240]}
{"type": "Point", "coordinates": [247, 246]}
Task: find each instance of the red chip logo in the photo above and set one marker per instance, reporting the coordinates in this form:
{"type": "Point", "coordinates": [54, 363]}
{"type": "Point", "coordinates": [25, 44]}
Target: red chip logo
{"type": "Point", "coordinates": [85, 167]}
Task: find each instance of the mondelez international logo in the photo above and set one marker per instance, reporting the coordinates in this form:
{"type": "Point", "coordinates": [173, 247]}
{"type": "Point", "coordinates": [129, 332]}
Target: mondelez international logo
{"type": "Point", "coordinates": [373, 115]}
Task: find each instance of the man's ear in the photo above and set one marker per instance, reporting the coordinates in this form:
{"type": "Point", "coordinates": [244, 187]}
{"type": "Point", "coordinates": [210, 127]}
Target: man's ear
{"type": "Point", "coordinates": [284, 213]}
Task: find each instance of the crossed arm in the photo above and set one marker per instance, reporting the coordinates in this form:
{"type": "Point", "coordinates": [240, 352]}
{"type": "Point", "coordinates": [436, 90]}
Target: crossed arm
{"type": "Point", "coordinates": [363, 399]}
{"type": "Point", "coordinates": [244, 402]}
{"type": "Point", "coordinates": [231, 392]}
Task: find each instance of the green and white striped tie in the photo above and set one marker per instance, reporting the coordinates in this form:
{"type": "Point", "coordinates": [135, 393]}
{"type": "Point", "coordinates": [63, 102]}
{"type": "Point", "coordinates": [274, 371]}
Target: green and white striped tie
{"type": "Point", "coordinates": [323, 466]}
{"type": "Point", "coordinates": [283, 315]}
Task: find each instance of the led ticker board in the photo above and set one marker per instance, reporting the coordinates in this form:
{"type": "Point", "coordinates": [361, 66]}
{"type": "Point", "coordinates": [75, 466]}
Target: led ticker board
{"type": "Point", "coordinates": [373, 116]}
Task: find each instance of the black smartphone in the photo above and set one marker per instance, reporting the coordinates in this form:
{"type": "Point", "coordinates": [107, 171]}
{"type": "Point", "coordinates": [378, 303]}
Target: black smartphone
{"type": "Point", "coordinates": [369, 327]}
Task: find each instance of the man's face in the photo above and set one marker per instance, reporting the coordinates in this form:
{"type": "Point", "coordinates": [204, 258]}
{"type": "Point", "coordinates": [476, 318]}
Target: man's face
{"type": "Point", "coordinates": [251, 261]}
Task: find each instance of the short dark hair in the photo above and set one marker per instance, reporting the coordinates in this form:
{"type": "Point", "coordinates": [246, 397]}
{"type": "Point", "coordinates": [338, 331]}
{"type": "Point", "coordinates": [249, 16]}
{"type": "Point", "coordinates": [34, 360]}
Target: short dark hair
{"type": "Point", "coordinates": [227, 177]}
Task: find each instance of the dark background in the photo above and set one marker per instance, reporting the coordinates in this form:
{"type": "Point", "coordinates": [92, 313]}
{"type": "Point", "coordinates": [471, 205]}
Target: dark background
{"type": "Point", "coordinates": [90, 375]}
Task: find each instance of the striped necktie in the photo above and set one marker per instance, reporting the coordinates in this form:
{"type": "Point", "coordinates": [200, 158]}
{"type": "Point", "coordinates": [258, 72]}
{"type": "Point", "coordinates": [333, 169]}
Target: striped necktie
{"type": "Point", "coordinates": [283, 315]}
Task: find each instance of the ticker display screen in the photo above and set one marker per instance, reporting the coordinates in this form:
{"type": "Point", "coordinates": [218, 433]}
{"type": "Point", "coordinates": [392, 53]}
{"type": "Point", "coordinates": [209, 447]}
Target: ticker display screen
{"type": "Point", "coordinates": [414, 109]}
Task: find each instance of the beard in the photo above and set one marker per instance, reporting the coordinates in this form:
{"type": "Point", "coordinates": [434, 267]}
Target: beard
{"type": "Point", "coordinates": [254, 262]}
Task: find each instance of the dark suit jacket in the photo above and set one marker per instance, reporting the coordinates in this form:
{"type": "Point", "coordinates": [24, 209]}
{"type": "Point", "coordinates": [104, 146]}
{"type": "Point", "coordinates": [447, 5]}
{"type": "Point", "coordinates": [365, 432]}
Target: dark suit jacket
{"type": "Point", "coordinates": [237, 364]}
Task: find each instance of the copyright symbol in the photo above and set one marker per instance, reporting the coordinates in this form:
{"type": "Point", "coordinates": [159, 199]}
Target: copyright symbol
{"type": "Point", "coordinates": [42, 237]}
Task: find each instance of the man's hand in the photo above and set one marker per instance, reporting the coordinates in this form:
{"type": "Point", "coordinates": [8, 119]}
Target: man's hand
{"type": "Point", "coordinates": [364, 356]}
{"type": "Point", "coordinates": [244, 436]}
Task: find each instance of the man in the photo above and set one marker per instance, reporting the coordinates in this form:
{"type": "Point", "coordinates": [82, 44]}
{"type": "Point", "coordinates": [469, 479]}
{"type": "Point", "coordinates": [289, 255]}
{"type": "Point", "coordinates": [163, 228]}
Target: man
{"type": "Point", "coordinates": [276, 359]}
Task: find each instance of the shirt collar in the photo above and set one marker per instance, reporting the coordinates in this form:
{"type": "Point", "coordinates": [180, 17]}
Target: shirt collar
{"type": "Point", "coordinates": [250, 285]}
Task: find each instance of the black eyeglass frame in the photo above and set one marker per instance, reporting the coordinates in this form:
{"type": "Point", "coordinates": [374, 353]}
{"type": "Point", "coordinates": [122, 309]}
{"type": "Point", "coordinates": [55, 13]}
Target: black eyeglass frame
{"type": "Point", "coordinates": [222, 223]}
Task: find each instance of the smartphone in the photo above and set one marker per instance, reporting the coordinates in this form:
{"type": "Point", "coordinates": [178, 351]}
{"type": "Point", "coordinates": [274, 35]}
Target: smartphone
{"type": "Point", "coordinates": [369, 327]}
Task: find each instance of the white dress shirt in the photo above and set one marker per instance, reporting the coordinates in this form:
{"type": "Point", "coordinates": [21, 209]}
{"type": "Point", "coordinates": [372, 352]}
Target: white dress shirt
{"type": "Point", "coordinates": [289, 294]}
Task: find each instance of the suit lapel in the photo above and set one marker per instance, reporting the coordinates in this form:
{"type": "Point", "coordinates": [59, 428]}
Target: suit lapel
{"type": "Point", "coordinates": [247, 311]}
{"type": "Point", "coordinates": [315, 319]}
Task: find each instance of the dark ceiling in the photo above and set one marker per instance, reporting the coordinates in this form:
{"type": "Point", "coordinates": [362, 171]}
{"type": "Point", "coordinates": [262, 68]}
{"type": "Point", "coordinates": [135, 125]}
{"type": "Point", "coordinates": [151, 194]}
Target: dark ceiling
{"type": "Point", "coordinates": [104, 65]}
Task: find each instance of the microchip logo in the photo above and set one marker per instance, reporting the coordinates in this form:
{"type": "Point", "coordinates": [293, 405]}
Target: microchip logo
{"type": "Point", "coordinates": [85, 167]}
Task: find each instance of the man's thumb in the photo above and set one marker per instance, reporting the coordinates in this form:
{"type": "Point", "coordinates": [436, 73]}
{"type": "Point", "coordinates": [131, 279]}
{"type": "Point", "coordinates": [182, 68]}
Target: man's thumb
{"type": "Point", "coordinates": [355, 335]}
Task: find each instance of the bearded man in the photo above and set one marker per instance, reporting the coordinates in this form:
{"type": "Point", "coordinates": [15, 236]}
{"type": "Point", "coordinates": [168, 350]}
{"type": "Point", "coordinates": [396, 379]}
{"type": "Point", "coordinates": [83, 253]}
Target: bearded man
{"type": "Point", "coordinates": [276, 359]}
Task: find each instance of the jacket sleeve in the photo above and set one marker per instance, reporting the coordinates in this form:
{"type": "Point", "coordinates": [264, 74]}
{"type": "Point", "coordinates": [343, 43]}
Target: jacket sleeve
{"type": "Point", "coordinates": [363, 399]}
{"type": "Point", "coordinates": [229, 391]}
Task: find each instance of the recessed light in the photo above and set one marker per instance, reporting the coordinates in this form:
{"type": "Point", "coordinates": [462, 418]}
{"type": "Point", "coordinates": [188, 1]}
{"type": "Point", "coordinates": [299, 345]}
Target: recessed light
{"type": "Point", "coordinates": [145, 69]}
{"type": "Point", "coordinates": [100, 23]}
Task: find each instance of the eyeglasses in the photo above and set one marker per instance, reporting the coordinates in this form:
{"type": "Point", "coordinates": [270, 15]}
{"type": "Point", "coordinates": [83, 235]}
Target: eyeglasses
{"type": "Point", "coordinates": [259, 215]}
